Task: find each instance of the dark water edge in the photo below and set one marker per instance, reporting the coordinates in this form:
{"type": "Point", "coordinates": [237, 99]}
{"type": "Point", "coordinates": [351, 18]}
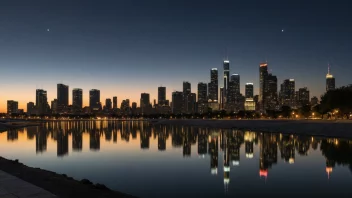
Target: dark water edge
{"type": "Point", "coordinates": [60, 185]}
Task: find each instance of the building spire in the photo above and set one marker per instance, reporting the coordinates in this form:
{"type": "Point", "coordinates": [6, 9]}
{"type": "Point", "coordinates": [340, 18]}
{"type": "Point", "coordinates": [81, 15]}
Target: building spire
{"type": "Point", "coordinates": [328, 68]}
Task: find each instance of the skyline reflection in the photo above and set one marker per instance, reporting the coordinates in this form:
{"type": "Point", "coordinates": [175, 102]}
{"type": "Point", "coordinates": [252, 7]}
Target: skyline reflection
{"type": "Point", "coordinates": [223, 148]}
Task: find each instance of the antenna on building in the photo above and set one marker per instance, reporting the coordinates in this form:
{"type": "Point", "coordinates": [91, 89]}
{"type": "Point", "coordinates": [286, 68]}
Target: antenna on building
{"type": "Point", "coordinates": [328, 68]}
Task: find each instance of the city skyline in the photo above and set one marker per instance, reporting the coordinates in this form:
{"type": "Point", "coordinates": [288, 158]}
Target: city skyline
{"type": "Point", "coordinates": [101, 46]}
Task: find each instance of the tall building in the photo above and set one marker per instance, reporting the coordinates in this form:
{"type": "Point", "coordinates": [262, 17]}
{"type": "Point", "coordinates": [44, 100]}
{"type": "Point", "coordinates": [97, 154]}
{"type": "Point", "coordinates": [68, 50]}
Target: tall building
{"type": "Point", "coordinates": [177, 102]}
{"type": "Point", "coordinates": [62, 97]}
{"type": "Point", "coordinates": [114, 102]}
{"type": "Point", "coordinates": [202, 92]}
{"type": "Point", "coordinates": [54, 109]}
{"type": "Point", "coordinates": [94, 100]}
{"type": "Point", "coordinates": [263, 73]}
{"type": "Point", "coordinates": [213, 85]}
{"type": "Point", "coordinates": [236, 79]}
{"type": "Point", "coordinates": [222, 97]}
{"type": "Point", "coordinates": [226, 65]}
{"type": "Point", "coordinates": [330, 81]}
{"type": "Point", "coordinates": [202, 97]}
{"type": "Point", "coordinates": [12, 107]}
{"type": "Point", "coordinates": [77, 100]}
{"type": "Point", "coordinates": [287, 93]}
{"type": "Point", "coordinates": [271, 96]}
{"type": "Point", "coordinates": [303, 96]}
{"type": "Point", "coordinates": [41, 102]}
{"type": "Point", "coordinates": [186, 87]}
{"type": "Point", "coordinates": [249, 93]}
{"type": "Point", "coordinates": [108, 104]}
{"type": "Point", "coordinates": [31, 108]}
{"type": "Point", "coordinates": [161, 95]}
{"type": "Point", "coordinates": [145, 103]}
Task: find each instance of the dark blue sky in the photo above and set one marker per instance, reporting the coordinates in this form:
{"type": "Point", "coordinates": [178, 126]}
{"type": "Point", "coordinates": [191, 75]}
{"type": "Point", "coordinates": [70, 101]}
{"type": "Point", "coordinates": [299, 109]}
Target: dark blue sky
{"type": "Point", "coordinates": [127, 47]}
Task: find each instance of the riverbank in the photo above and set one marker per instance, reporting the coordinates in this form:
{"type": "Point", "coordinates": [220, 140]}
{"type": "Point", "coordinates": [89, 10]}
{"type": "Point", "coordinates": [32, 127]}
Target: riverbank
{"type": "Point", "coordinates": [327, 128]}
{"type": "Point", "coordinates": [60, 185]}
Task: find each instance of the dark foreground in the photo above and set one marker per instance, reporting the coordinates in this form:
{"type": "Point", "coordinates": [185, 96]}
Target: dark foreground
{"type": "Point", "coordinates": [60, 185]}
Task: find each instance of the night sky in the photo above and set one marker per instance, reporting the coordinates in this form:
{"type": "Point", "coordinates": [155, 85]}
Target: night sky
{"type": "Point", "coordinates": [125, 47]}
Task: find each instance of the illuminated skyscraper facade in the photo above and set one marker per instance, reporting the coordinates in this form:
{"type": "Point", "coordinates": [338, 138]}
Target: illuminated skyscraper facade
{"type": "Point", "coordinates": [213, 85]}
{"type": "Point", "coordinates": [249, 90]}
{"type": "Point", "coordinates": [62, 97]}
{"type": "Point", "coordinates": [330, 81]}
{"type": "Point", "coordinates": [263, 74]}
{"type": "Point", "coordinates": [94, 100]}
{"type": "Point", "coordinates": [77, 99]}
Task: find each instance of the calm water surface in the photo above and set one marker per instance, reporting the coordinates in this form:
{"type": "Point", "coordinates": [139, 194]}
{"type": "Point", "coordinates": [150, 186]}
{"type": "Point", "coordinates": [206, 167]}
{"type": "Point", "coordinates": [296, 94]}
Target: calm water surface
{"type": "Point", "coordinates": [148, 161]}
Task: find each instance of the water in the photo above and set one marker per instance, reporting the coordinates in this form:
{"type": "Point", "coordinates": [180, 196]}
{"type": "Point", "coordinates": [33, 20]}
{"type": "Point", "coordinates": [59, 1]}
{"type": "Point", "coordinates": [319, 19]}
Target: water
{"type": "Point", "coordinates": [148, 161]}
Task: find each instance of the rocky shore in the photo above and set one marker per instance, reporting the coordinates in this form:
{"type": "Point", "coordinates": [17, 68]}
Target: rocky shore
{"type": "Point", "coordinates": [60, 185]}
{"type": "Point", "coordinates": [328, 128]}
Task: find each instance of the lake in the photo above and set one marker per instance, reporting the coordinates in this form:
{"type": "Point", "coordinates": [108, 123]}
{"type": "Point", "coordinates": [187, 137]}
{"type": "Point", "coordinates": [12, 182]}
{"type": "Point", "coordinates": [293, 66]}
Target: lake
{"type": "Point", "coordinates": [138, 158]}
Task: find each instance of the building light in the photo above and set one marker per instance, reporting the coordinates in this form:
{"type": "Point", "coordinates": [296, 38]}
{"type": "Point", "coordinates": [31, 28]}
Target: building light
{"type": "Point", "coordinates": [249, 83]}
{"type": "Point", "coordinates": [226, 61]}
{"type": "Point", "coordinates": [214, 69]}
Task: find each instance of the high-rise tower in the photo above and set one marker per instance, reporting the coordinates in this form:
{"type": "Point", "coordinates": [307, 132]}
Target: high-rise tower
{"type": "Point", "coordinates": [263, 74]}
{"type": "Point", "coordinates": [62, 97]}
{"type": "Point", "coordinates": [330, 80]}
{"type": "Point", "coordinates": [77, 99]}
{"type": "Point", "coordinates": [226, 65]}
{"type": "Point", "coordinates": [213, 85]}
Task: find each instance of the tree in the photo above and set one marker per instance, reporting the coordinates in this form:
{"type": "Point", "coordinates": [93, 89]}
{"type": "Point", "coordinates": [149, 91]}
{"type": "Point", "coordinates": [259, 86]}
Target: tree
{"type": "Point", "coordinates": [286, 111]}
{"type": "Point", "coordinates": [338, 101]}
{"type": "Point", "coordinates": [305, 111]}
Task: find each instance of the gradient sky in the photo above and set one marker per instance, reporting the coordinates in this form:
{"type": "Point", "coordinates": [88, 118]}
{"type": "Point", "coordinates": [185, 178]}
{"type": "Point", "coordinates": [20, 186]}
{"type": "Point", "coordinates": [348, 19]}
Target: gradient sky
{"type": "Point", "coordinates": [125, 47]}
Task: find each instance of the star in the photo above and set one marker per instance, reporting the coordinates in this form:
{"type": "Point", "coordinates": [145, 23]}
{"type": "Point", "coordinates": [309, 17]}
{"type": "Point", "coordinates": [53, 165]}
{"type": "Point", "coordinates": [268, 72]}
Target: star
{"type": "Point", "coordinates": [282, 30]}
{"type": "Point", "coordinates": [48, 30]}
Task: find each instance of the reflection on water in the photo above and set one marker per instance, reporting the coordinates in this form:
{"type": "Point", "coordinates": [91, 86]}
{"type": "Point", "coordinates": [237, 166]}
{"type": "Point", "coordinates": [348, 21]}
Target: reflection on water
{"type": "Point", "coordinates": [232, 156]}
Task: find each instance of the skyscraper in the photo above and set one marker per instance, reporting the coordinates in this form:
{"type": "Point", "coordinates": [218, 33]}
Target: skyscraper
{"type": "Point", "coordinates": [31, 108]}
{"type": "Point", "coordinates": [161, 95]}
{"type": "Point", "coordinates": [41, 102]}
{"type": "Point", "coordinates": [222, 97]}
{"type": "Point", "coordinates": [213, 85]}
{"type": "Point", "coordinates": [271, 92]}
{"type": "Point", "coordinates": [330, 80]}
{"type": "Point", "coordinates": [303, 96]}
{"type": "Point", "coordinates": [12, 107]}
{"type": "Point", "coordinates": [226, 65]}
{"type": "Point", "coordinates": [263, 73]}
{"type": "Point", "coordinates": [202, 92]}
{"type": "Point", "coordinates": [249, 90]}
{"type": "Point", "coordinates": [94, 100]}
{"type": "Point", "coordinates": [186, 87]}
{"type": "Point", "coordinates": [77, 100]}
{"type": "Point", "coordinates": [177, 102]}
{"type": "Point", "coordinates": [145, 103]}
{"type": "Point", "coordinates": [236, 79]}
{"type": "Point", "coordinates": [108, 104]}
{"type": "Point", "coordinates": [114, 102]}
{"type": "Point", "coordinates": [62, 97]}
{"type": "Point", "coordinates": [287, 93]}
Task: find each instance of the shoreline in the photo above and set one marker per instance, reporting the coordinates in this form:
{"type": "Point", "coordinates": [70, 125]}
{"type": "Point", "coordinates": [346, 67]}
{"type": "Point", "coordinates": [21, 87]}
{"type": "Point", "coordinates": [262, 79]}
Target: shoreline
{"type": "Point", "coordinates": [60, 185]}
{"type": "Point", "coordinates": [325, 128]}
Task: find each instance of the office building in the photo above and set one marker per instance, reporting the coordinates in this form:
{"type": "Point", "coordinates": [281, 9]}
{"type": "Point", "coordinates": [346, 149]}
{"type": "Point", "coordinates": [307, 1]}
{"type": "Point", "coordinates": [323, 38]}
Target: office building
{"type": "Point", "coordinates": [108, 104]}
{"type": "Point", "coordinates": [145, 103]}
{"type": "Point", "coordinates": [271, 96]}
{"type": "Point", "coordinates": [287, 93]}
{"type": "Point", "coordinates": [54, 109]}
{"type": "Point", "coordinates": [114, 102]}
{"type": "Point", "coordinates": [263, 74]}
{"type": "Point", "coordinates": [213, 85]}
{"type": "Point", "coordinates": [202, 97]}
{"type": "Point", "coordinates": [31, 109]}
{"type": "Point", "coordinates": [62, 98]}
{"type": "Point", "coordinates": [12, 107]}
{"type": "Point", "coordinates": [77, 100]}
{"type": "Point", "coordinates": [222, 98]}
{"type": "Point", "coordinates": [226, 65]}
{"type": "Point", "coordinates": [94, 100]}
{"type": "Point", "coordinates": [177, 102]}
{"type": "Point", "coordinates": [303, 96]}
{"type": "Point", "coordinates": [330, 81]}
{"type": "Point", "coordinates": [249, 104]}
{"type": "Point", "coordinates": [249, 93]}
{"type": "Point", "coordinates": [41, 102]}
{"type": "Point", "coordinates": [161, 96]}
